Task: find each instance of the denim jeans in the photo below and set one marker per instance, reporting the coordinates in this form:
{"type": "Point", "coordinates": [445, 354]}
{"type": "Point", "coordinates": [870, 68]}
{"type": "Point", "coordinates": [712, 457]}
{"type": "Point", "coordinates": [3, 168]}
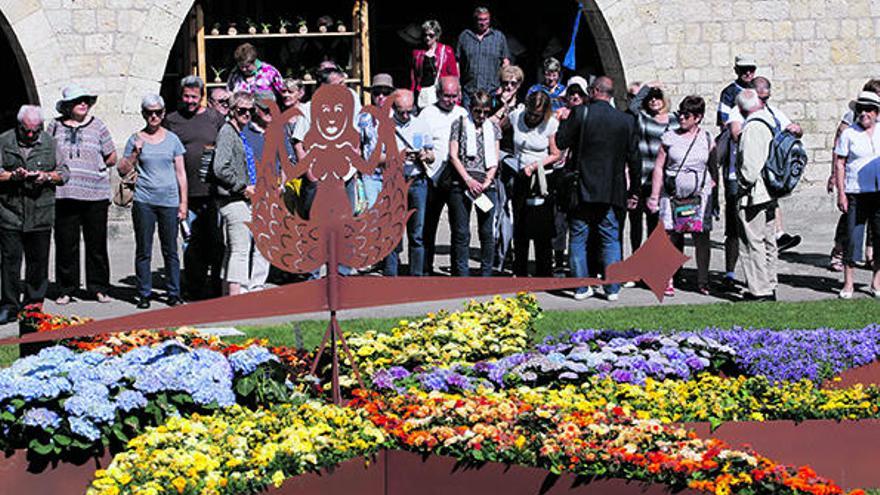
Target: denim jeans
{"type": "Point", "coordinates": [417, 198]}
{"type": "Point", "coordinates": [460, 215]}
{"type": "Point", "coordinates": [437, 198]}
{"type": "Point", "coordinates": [604, 219]}
{"type": "Point", "coordinates": [145, 217]}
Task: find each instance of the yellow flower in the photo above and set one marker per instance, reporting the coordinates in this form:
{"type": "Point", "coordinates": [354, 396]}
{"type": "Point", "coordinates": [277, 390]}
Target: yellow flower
{"type": "Point", "coordinates": [179, 483]}
{"type": "Point", "coordinates": [277, 478]}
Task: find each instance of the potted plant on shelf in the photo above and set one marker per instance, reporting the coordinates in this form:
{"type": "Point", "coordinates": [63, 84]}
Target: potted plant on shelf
{"type": "Point", "coordinates": [282, 25]}
{"type": "Point", "coordinates": [301, 26]}
{"type": "Point", "coordinates": [340, 26]}
{"type": "Point", "coordinates": [324, 23]}
{"type": "Point", "coordinates": [232, 31]}
{"type": "Point", "coordinates": [218, 74]}
{"type": "Point", "coordinates": [252, 26]}
{"type": "Point", "coordinates": [215, 30]}
{"type": "Point", "coordinates": [267, 27]}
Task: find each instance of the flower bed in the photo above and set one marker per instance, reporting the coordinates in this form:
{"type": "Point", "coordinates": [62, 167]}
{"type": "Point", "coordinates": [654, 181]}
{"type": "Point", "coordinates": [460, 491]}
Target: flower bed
{"type": "Point", "coordinates": [61, 401]}
{"type": "Point", "coordinates": [471, 386]}
{"type": "Point", "coordinates": [238, 450]}
{"type": "Point", "coordinates": [481, 331]}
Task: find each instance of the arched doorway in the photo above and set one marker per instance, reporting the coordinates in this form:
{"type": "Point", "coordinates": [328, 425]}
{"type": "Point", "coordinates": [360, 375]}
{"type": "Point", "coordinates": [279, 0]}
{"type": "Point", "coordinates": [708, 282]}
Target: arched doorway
{"type": "Point", "coordinates": [532, 35]}
{"type": "Point", "coordinates": [19, 87]}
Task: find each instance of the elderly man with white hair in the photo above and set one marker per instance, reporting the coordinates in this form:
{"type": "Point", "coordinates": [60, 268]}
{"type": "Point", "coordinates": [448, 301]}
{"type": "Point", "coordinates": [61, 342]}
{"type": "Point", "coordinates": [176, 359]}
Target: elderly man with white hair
{"type": "Point", "coordinates": [756, 211]}
{"type": "Point", "coordinates": [29, 172]}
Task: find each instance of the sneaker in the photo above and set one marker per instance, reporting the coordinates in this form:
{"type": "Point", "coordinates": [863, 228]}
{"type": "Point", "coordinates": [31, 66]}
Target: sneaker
{"type": "Point", "coordinates": [580, 296]}
{"type": "Point", "coordinates": [62, 300]}
{"type": "Point", "coordinates": [875, 293]}
{"type": "Point", "coordinates": [175, 301]}
{"type": "Point", "coordinates": [629, 285]}
{"type": "Point", "coordinates": [102, 298]}
{"type": "Point", "coordinates": [786, 242]}
{"type": "Point", "coordinates": [845, 294]}
{"type": "Point", "coordinates": [704, 290]}
{"type": "Point", "coordinates": [612, 297]}
{"type": "Point", "coordinates": [670, 290]}
{"type": "Point", "coordinates": [143, 302]}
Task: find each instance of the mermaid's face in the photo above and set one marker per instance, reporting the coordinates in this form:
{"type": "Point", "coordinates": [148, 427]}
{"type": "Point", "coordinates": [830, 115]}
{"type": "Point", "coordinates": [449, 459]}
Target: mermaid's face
{"type": "Point", "coordinates": [332, 120]}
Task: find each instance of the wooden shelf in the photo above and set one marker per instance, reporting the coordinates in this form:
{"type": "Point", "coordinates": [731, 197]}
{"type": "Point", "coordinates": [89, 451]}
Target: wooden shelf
{"type": "Point", "coordinates": [306, 83]}
{"type": "Point", "coordinates": [280, 35]}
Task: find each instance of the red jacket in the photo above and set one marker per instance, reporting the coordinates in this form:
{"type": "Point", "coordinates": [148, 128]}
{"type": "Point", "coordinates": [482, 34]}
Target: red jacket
{"type": "Point", "coordinates": [445, 62]}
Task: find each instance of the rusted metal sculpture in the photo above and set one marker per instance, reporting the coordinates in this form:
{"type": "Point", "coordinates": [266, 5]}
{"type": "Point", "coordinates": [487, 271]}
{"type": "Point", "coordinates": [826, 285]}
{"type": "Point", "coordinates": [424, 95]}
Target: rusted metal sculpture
{"type": "Point", "coordinates": [331, 235]}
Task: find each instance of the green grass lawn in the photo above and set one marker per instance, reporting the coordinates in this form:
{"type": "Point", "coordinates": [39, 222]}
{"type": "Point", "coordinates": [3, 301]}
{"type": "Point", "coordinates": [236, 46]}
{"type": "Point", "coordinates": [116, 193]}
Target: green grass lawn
{"type": "Point", "coordinates": [780, 315]}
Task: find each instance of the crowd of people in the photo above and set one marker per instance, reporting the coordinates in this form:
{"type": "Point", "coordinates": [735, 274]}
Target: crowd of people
{"type": "Point", "coordinates": [559, 166]}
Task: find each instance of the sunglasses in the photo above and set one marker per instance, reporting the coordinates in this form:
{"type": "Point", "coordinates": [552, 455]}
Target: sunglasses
{"type": "Point", "coordinates": [430, 35]}
{"type": "Point", "coordinates": [509, 84]}
{"type": "Point", "coordinates": [481, 111]}
{"type": "Point", "coordinates": [866, 109]}
{"type": "Point", "coordinates": [30, 132]}
{"type": "Point", "coordinates": [79, 101]}
{"type": "Point", "coordinates": [244, 111]}
{"type": "Point", "coordinates": [381, 92]}
{"type": "Point", "coordinates": [223, 103]}
{"type": "Point", "coordinates": [154, 113]}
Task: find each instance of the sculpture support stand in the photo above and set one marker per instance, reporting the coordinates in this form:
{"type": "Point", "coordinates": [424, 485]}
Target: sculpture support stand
{"type": "Point", "coordinates": [334, 332]}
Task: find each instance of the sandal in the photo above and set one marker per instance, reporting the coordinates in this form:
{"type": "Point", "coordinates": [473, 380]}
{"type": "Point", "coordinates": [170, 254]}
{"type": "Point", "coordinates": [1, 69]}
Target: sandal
{"type": "Point", "coordinates": [845, 294]}
{"type": "Point", "coordinates": [102, 298]}
{"type": "Point", "coordinates": [670, 290]}
{"type": "Point", "coordinates": [62, 300]}
{"type": "Point", "coordinates": [704, 290]}
{"type": "Point", "coordinates": [836, 263]}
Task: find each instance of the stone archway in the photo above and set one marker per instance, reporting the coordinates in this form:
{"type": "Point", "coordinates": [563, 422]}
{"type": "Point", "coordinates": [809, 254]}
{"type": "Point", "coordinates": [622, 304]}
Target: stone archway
{"type": "Point", "coordinates": [25, 31]}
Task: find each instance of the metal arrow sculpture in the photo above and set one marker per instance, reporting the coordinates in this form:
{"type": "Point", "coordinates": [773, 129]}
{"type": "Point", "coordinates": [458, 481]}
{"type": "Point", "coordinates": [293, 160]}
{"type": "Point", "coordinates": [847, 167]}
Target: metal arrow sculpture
{"type": "Point", "coordinates": [332, 235]}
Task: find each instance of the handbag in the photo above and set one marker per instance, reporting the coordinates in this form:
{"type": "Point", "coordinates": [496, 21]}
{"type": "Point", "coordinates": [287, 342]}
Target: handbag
{"type": "Point", "coordinates": [687, 212]}
{"type": "Point", "coordinates": [568, 182]}
{"type": "Point", "coordinates": [123, 193]}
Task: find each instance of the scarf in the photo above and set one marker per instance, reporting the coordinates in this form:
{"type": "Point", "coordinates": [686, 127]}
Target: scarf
{"type": "Point", "coordinates": [489, 151]}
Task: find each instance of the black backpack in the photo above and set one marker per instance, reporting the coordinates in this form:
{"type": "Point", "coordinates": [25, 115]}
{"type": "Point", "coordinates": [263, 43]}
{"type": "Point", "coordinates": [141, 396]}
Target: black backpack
{"type": "Point", "coordinates": [785, 164]}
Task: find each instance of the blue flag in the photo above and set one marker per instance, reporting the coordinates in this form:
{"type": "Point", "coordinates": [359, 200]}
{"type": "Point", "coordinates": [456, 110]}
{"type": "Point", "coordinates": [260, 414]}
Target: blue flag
{"type": "Point", "coordinates": [570, 61]}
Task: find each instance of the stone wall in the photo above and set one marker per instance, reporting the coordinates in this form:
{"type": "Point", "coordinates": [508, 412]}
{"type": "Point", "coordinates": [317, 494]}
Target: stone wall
{"type": "Point", "coordinates": [818, 53]}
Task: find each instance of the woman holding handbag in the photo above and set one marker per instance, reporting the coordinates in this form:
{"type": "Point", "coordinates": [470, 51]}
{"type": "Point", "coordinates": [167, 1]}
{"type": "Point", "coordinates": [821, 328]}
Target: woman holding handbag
{"type": "Point", "coordinates": [159, 198]}
{"type": "Point", "coordinates": [682, 182]}
{"type": "Point", "coordinates": [429, 63]}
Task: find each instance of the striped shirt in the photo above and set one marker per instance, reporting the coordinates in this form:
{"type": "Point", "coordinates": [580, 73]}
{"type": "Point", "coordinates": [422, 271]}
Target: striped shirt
{"type": "Point", "coordinates": [650, 131]}
{"type": "Point", "coordinates": [727, 102]}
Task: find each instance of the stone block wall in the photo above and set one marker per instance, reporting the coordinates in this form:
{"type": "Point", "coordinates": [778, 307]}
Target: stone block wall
{"type": "Point", "coordinates": [817, 53]}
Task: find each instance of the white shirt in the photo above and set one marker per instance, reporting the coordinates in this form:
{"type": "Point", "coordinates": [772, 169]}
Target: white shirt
{"type": "Point", "coordinates": [439, 123]}
{"type": "Point", "coordinates": [530, 144]}
{"type": "Point", "coordinates": [862, 152]}
{"type": "Point", "coordinates": [781, 118]}
{"type": "Point", "coordinates": [415, 135]}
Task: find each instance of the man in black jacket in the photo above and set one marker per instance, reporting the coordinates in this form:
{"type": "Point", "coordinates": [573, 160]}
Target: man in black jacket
{"type": "Point", "coordinates": [602, 150]}
{"type": "Point", "coordinates": [29, 172]}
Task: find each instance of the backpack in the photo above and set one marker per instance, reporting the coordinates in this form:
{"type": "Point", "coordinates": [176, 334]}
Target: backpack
{"type": "Point", "coordinates": [785, 164]}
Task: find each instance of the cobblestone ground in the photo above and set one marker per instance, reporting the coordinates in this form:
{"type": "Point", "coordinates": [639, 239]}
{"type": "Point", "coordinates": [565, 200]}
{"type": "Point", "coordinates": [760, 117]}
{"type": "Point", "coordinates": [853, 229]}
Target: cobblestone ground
{"type": "Point", "coordinates": [803, 273]}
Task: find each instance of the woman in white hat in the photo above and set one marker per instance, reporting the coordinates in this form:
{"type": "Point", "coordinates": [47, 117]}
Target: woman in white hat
{"type": "Point", "coordinates": [86, 147]}
{"type": "Point", "coordinates": [857, 170]}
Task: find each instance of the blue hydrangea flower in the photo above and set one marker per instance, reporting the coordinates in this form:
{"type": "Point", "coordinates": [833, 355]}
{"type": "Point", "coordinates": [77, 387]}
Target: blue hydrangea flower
{"type": "Point", "coordinates": [41, 417]}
